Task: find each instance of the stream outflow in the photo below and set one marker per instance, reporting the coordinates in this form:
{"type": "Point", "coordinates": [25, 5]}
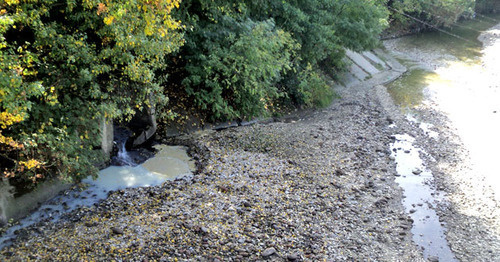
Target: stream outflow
{"type": "Point", "coordinates": [170, 162]}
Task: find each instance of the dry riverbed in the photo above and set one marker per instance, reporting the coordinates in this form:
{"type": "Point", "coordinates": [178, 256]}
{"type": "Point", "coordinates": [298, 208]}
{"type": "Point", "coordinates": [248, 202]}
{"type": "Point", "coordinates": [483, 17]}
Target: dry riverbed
{"type": "Point", "coordinates": [309, 188]}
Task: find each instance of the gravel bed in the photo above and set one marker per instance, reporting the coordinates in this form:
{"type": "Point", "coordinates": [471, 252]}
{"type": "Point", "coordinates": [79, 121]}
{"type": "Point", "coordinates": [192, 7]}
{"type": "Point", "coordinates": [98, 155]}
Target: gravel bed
{"type": "Point", "coordinates": [318, 187]}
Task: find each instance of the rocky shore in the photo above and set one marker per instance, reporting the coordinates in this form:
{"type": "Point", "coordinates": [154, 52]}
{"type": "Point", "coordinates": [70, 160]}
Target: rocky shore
{"type": "Point", "coordinates": [314, 187]}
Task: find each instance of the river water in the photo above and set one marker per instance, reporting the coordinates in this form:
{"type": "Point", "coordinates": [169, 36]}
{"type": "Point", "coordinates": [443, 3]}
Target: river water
{"type": "Point", "coordinates": [459, 76]}
{"type": "Point", "coordinates": [462, 78]}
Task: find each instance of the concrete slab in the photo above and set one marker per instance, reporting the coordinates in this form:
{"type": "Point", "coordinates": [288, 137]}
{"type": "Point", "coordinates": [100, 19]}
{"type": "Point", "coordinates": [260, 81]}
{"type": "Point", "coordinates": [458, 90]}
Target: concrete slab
{"type": "Point", "coordinates": [358, 72]}
{"type": "Point", "coordinates": [348, 80]}
{"type": "Point", "coordinates": [390, 61]}
{"type": "Point", "coordinates": [364, 64]}
{"type": "Point", "coordinates": [107, 135]}
{"type": "Point", "coordinates": [374, 59]}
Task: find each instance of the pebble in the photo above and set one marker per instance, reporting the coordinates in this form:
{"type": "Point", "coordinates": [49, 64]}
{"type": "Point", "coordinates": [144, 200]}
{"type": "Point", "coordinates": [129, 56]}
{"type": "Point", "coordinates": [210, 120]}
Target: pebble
{"type": "Point", "coordinates": [117, 231]}
{"type": "Point", "coordinates": [433, 259]}
{"type": "Point", "coordinates": [261, 189]}
{"type": "Point", "coordinates": [268, 252]}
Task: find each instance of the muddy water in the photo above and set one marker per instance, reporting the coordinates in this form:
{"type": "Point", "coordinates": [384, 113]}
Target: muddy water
{"type": "Point", "coordinates": [408, 91]}
{"type": "Point", "coordinates": [169, 163]}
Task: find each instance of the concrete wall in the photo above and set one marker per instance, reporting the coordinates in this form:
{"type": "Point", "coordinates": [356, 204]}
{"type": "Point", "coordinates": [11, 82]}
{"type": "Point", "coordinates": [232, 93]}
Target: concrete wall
{"type": "Point", "coordinates": [107, 137]}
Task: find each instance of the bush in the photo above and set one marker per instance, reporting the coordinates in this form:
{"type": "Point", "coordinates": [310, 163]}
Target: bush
{"type": "Point", "coordinates": [313, 91]}
{"type": "Point", "coordinates": [325, 28]}
{"type": "Point", "coordinates": [238, 54]}
{"type": "Point", "coordinates": [438, 13]}
{"type": "Point", "coordinates": [235, 65]}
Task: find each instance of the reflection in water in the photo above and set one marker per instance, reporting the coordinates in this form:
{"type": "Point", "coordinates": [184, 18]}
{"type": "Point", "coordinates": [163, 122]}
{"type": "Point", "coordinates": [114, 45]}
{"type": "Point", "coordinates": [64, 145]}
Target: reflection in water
{"type": "Point", "coordinates": [408, 91]}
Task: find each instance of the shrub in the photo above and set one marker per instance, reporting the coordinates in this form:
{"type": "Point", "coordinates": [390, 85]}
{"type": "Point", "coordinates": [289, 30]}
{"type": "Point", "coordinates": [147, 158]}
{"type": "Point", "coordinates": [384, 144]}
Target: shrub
{"type": "Point", "coordinates": [438, 13]}
{"type": "Point", "coordinates": [313, 91]}
{"type": "Point", "coordinates": [235, 65]}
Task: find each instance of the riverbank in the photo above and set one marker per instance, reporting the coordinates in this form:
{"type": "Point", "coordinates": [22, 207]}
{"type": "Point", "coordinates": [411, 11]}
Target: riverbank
{"type": "Point", "coordinates": [314, 187]}
{"type": "Point", "coordinates": [310, 187]}
{"type": "Point", "coordinates": [461, 105]}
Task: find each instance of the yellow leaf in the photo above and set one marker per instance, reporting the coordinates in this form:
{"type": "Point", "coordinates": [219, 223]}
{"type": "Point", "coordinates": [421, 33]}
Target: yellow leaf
{"type": "Point", "coordinates": [108, 20]}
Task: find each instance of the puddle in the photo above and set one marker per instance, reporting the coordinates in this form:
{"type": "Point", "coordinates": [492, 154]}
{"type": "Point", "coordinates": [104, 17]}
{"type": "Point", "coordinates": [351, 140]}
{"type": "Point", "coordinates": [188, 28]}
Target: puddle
{"type": "Point", "coordinates": [426, 127]}
{"type": "Point", "coordinates": [169, 163]}
{"type": "Point", "coordinates": [420, 199]}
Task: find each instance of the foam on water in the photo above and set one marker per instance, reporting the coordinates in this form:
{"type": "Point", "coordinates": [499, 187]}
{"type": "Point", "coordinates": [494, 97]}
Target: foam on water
{"type": "Point", "coordinates": [120, 177]}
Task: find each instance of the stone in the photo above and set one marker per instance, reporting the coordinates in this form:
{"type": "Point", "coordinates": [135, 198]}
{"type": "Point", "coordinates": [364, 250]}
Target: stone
{"type": "Point", "coordinates": [416, 171]}
{"type": "Point", "coordinates": [292, 257]}
{"type": "Point", "coordinates": [90, 224]}
{"type": "Point", "coordinates": [433, 259]}
{"type": "Point", "coordinates": [269, 252]}
{"type": "Point", "coordinates": [116, 230]}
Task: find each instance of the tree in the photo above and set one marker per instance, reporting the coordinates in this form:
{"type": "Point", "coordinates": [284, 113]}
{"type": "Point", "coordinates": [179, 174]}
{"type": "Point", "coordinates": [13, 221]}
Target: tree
{"type": "Point", "coordinates": [244, 57]}
{"type": "Point", "coordinates": [438, 13]}
{"type": "Point", "coordinates": [65, 65]}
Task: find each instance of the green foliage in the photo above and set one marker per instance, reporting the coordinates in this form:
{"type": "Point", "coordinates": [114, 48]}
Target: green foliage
{"type": "Point", "coordinates": [439, 13]}
{"type": "Point", "coordinates": [313, 91]}
{"type": "Point", "coordinates": [487, 6]}
{"type": "Point", "coordinates": [65, 66]}
{"type": "Point", "coordinates": [233, 70]}
{"type": "Point", "coordinates": [323, 27]}
{"type": "Point", "coordinates": [239, 53]}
